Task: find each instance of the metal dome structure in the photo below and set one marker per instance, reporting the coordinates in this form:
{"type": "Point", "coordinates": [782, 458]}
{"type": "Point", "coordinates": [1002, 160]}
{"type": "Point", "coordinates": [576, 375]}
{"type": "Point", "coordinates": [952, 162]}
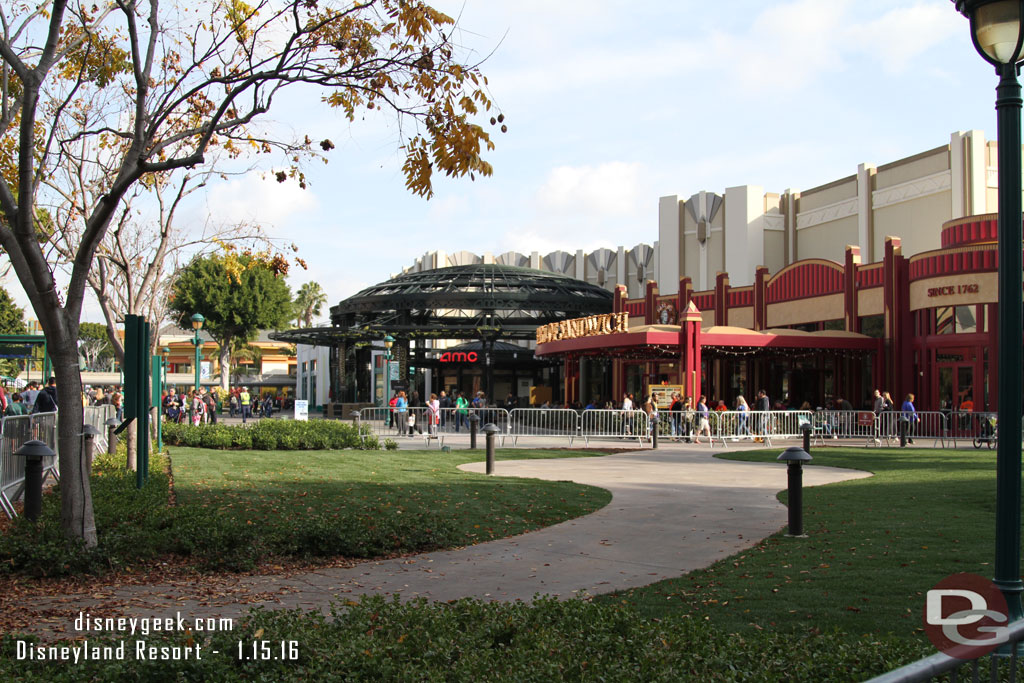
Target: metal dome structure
{"type": "Point", "coordinates": [480, 301]}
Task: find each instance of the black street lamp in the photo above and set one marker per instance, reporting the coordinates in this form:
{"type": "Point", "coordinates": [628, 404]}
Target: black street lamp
{"type": "Point", "coordinates": [197, 324]}
{"type": "Point", "coordinates": [389, 341]}
{"type": "Point", "coordinates": [996, 32]}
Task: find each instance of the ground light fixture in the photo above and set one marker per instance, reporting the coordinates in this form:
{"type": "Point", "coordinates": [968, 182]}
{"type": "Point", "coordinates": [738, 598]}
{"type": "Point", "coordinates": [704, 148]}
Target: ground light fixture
{"type": "Point", "coordinates": [795, 457]}
{"type": "Point", "coordinates": [996, 32]}
{"type": "Point", "coordinates": [34, 451]}
{"type": "Point", "coordinates": [197, 324]}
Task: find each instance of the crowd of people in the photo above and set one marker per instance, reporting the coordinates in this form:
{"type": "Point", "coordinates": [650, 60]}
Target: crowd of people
{"type": "Point", "coordinates": [200, 406]}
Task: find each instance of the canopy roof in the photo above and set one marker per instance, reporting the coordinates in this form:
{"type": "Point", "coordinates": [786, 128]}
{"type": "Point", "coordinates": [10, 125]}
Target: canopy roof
{"type": "Point", "coordinates": [481, 301]}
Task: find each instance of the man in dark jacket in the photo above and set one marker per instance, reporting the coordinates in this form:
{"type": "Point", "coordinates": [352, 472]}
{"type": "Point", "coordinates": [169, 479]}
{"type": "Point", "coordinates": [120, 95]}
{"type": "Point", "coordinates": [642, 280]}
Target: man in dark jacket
{"type": "Point", "coordinates": [762, 405]}
{"type": "Point", "coordinates": [46, 400]}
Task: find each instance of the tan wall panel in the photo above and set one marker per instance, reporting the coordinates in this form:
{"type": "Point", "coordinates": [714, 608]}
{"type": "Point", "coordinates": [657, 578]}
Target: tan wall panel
{"type": "Point", "coordinates": [987, 283]}
{"type": "Point", "coordinates": [871, 301]}
{"type": "Point", "coordinates": [827, 240]}
{"type": "Point", "coordinates": [691, 260]}
{"type": "Point", "coordinates": [774, 250]}
{"type": "Point", "coordinates": [805, 310]}
{"type": "Point", "coordinates": [828, 194]}
{"type": "Point", "coordinates": [917, 222]}
{"type": "Point", "coordinates": [912, 169]}
{"type": "Point", "coordinates": [716, 255]}
{"type": "Point", "coordinates": [742, 317]}
{"type": "Point", "coordinates": [707, 319]}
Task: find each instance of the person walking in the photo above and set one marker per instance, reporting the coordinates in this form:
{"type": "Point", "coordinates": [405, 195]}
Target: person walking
{"type": "Point", "coordinates": [675, 417]}
{"type": "Point", "coordinates": [703, 420]}
{"type": "Point", "coordinates": [15, 406]}
{"type": "Point", "coordinates": [211, 407]}
{"type": "Point", "coordinates": [444, 402]}
{"type": "Point", "coordinates": [198, 408]}
{"type": "Point", "coordinates": [461, 412]}
{"type": "Point", "coordinates": [910, 414]}
{"type": "Point", "coordinates": [400, 409]}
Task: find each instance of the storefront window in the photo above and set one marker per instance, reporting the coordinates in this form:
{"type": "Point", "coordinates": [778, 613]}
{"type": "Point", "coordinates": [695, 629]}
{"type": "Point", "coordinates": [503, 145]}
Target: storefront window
{"type": "Point", "coordinates": [944, 320]}
{"type": "Point", "coordinates": [833, 325]}
{"type": "Point", "coordinates": [965, 321]}
{"type": "Point", "coordinates": [873, 326]}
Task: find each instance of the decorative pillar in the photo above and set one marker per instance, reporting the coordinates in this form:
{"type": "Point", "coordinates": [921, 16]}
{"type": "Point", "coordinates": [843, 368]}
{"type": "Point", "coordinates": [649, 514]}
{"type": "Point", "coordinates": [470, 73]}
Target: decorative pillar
{"type": "Point", "coordinates": [761, 298]}
{"type": "Point", "coordinates": [689, 351]}
{"type": "Point", "coordinates": [651, 303]}
{"type": "Point", "coordinates": [722, 299]}
{"type": "Point", "coordinates": [898, 322]}
{"type": "Point", "coordinates": [684, 297]}
{"type": "Point", "coordinates": [619, 299]}
{"type": "Point", "coordinates": [850, 311]}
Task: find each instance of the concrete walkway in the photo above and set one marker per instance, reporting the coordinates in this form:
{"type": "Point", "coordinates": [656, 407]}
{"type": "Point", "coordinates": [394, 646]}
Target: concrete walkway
{"type": "Point", "coordinates": [673, 510]}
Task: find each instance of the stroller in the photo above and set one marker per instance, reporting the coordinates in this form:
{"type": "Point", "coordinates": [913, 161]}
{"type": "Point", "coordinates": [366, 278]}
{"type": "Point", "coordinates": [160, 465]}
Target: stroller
{"type": "Point", "coordinates": [989, 433]}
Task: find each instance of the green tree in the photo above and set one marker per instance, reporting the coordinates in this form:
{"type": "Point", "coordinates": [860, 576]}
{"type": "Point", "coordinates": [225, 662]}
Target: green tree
{"type": "Point", "coordinates": [309, 301]}
{"type": "Point", "coordinates": [140, 88]}
{"type": "Point", "coordinates": [12, 321]}
{"type": "Point", "coordinates": [237, 296]}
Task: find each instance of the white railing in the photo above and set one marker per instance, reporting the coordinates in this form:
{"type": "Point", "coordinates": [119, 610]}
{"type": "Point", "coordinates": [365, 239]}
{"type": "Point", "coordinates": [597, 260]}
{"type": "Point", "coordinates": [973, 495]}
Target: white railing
{"type": "Point", "coordinates": [615, 424]}
{"type": "Point", "coordinates": [553, 422]}
{"type": "Point", "coordinates": [757, 426]}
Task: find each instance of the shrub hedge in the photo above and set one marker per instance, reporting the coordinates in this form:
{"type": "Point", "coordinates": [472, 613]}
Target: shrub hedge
{"type": "Point", "coordinates": [269, 435]}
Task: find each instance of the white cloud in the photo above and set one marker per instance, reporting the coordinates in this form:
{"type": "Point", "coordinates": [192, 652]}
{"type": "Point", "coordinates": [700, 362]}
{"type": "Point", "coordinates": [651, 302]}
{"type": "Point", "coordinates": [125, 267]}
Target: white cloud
{"type": "Point", "coordinates": [614, 187]}
{"type": "Point", "coordinates": [262, 200]}
{"type": "Point", "coordinates": [901, 35]}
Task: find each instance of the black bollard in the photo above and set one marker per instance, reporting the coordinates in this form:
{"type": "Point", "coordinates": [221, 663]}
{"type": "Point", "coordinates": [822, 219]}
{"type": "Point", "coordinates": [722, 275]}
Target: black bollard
{"type": "Point", "coordinates": [654, 432]}
{"type": "Point", "coordinates": [473, 422]}
{"type": "Point", "coordinates": [89, 434]}
{"type": "Point", "coordinates": [806, 430]}
{"type": "Point", "coordinates": [795, 457]}
{"type": "Point", "coordinates": [111, 424]}
{"type": "Point", "coordinates": [34, 451]}
{"type": "Point", "coordinates": [490, 430]}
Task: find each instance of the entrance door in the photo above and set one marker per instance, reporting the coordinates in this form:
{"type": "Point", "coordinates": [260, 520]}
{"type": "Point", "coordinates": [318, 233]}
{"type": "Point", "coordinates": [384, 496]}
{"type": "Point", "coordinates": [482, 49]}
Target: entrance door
{"type": "Point", "coordinates": [956, 385]}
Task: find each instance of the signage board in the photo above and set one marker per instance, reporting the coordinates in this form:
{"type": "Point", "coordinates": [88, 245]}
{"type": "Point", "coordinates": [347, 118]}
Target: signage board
{"type": "Point", "coordinates": [663, 394]}
{"type": "Point", "coordinates": [302, 409]}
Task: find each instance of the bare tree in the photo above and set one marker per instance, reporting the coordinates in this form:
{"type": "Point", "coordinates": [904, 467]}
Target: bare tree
{"type": "Point", "coordinates": [160, 86]}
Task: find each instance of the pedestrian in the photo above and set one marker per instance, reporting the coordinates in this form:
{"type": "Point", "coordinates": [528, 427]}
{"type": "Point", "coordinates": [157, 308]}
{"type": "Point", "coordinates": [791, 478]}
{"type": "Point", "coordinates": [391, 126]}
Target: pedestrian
{"type": "Point", "coordinates": [15, 406]}
{"type": "Point", "coordinates": [703, 420]}
{"type": "Point", "coordinates": [461, 412]}
{"type": "Point", "coordinates": [675, 417]}
{"type": "Point", "coordinates": [741, 419]}
{"type": "Point", "coordinates": [245, 401]}
{"type": "Point", "coordinates": [233, 406]}
{"type": "Point", "coordinates": [911, 416]}
{"type": "Point", "coordinates": [434, 406]}
{"type": "Point", "coordinates": [400, 410]}
{"type": "Point", "coordinates": [268, 406]}
{"type": "Point", "coordinates": [211, 407]}
{"type": "Point", "coordinates": [46, 400]}
{"type": "Point", "coordinates": [29, 395]}
{"type": "Point", "coordinates": [687, 419]}
{"type": "Point", "coordinates": [762, 406]}
{"type": "Point", "coordinates": [444, 402]}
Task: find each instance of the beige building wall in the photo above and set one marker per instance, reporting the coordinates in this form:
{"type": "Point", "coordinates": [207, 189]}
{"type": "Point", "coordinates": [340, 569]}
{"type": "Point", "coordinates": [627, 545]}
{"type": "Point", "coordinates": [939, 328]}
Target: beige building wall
{"type": "Point", "coordinates": [827, 240]}
{"type": "Point", "coordinates": [805, 310]}
{"type": "Point", "coordinates": [918, 223]}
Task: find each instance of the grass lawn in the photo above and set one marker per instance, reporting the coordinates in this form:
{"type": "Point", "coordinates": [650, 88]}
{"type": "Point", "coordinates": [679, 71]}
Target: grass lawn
{"type": "Point", "coordinates": [276, 490]}
{"type": "Point", "coordinates": [875, 546]}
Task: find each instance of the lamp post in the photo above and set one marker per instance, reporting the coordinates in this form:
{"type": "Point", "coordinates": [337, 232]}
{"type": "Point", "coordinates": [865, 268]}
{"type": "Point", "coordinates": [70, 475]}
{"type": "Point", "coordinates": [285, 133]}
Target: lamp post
{"type": "Point", "coordinates": [996, 32]}
{"type": "Point", "coordinates": [388, 343]}
{"type": "Point", "coordinates": [164, 353]}
{"type": "Point", "coordinates": [197, 324]}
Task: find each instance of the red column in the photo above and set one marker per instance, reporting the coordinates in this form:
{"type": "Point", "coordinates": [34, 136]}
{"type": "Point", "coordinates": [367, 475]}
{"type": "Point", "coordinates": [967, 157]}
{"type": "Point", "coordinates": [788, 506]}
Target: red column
{"type": "Point", "coordinates": [761, 298]}
{"type": "Point", "coordinates": [722, 299]}
{"type": "Point", "coordinates": [689, 350]}
{"type": "Point", "coordinates": [619, 300]}
{"type": "Point", "coordinates": [898, 321]}
{"type": "Point", "coordinates": [651, 303]}
{"type": "Point", "coordinates": [850, 289]}
{"type": "Point", "coordinates": [684, 297]}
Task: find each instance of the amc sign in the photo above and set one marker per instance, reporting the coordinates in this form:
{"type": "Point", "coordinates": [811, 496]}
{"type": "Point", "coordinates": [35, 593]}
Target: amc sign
{"type": "Point", "coordinates": [458, 357]}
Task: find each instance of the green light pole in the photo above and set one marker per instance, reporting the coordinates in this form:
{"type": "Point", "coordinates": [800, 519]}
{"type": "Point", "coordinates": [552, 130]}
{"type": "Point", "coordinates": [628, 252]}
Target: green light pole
{"type": "Point", "coordinates": [388, 343]}
{"type": "Point", "coordinates": [164, 353]}
{"type": "Point", "coordinates": [997, 36]}
{"type": "Point", "coordinates": [197, 324]}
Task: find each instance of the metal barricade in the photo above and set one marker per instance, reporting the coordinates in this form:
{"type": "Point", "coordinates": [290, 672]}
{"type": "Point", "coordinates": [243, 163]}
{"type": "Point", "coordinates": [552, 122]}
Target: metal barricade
{"type": "Point", "coordinates": [393, 422]}
{"type": "Point", "coordinates": [678, 425]}
{"type": "Point", "coordinates": [14, 432]}
{"type": "Point", "coordinates": [551, 422]}
{"type": "Point", "coordinates": [614, 424]}
{"type": "Point", "coordinates": [97, 416]}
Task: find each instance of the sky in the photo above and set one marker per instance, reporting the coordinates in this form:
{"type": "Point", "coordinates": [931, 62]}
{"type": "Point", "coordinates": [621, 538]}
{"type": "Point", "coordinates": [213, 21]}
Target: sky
{"type": "Point", "coordinates": [612, 104]}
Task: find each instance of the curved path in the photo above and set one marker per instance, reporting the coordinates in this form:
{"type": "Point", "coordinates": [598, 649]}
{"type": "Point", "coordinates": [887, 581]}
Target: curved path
{"type": "Point", "coordinates": [672, 511]}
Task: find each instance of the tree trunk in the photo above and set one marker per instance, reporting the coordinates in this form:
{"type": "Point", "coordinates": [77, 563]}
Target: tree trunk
{"type": "Point", "coordinates": [225, 364]}
{"type": "Point", "coordinates": [76, 495]}
{"type": "Point", "coordinates": [131, 442]}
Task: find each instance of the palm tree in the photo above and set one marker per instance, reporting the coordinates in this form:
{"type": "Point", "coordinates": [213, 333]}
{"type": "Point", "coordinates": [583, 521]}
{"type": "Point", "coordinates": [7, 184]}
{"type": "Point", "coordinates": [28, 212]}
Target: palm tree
{"type": "Point", "coordinates": [309, 301]}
